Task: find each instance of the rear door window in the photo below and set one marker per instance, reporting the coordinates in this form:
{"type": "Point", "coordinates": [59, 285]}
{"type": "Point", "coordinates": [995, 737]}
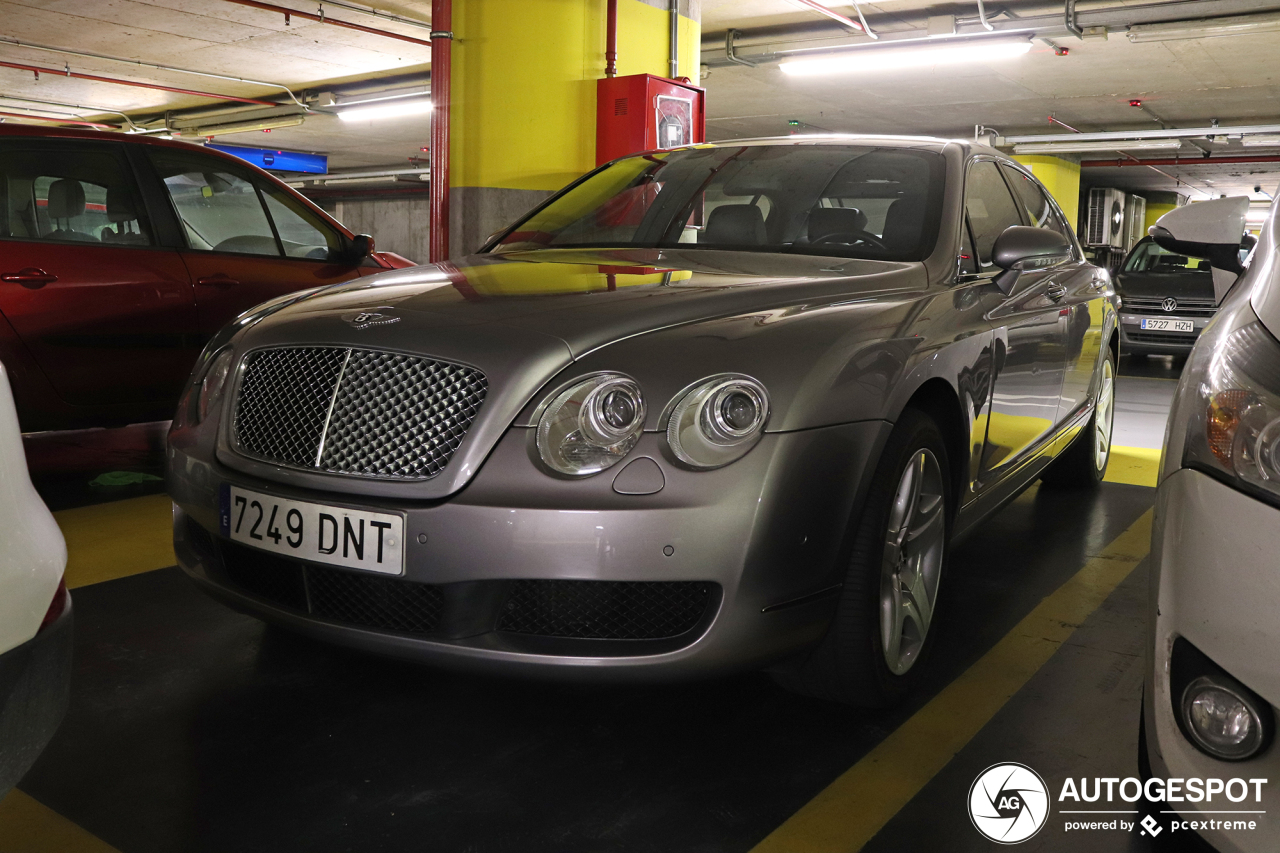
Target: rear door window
{"type": "Point", "coordinates": [991, 209]}
{"type": "Point", "coordinates": [70, 194]}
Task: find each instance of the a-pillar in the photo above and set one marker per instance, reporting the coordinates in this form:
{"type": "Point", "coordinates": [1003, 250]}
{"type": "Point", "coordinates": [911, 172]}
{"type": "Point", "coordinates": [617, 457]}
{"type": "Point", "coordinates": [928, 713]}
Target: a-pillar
{"type": "Point", "coordinates": [523, 115]}
{"type": "Point", "coordinates": [1061, 178]}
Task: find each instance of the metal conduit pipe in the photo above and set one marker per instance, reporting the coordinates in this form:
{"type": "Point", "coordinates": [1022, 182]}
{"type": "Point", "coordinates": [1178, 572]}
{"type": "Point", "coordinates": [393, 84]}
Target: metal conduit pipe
{"type": "Point", "coordinates": [324, 19]}
{"type": "Point", "coordinates": [67, 72]}
{"type": "Point", "coordinates": [138, 62]}
{"type": "Point", "coordinates": [673, 59]}
{"type": "Point", "coordinates": [832, 14]}
{"type": "Point", "coordinates": [60, 120]}
{"type": "Point", "coordinates": [1185, 161]}
{"type": "Point", "coordinates": [441, 58]}
{"type": "Point", "coordinates": [611, 39]}
{"type": "Point", "coordinates": [83, 107]}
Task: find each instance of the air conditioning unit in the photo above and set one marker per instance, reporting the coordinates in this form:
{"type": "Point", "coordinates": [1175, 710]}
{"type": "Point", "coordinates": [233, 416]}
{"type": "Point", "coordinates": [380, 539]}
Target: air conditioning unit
{"type": "Point", "coordinates": [1135, 220]}
{"type": "Point", "coordinates": [1106, 224]}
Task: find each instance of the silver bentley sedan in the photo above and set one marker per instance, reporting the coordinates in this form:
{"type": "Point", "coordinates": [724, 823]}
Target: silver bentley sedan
{"type": "Point", "coordinates": [719, 407]}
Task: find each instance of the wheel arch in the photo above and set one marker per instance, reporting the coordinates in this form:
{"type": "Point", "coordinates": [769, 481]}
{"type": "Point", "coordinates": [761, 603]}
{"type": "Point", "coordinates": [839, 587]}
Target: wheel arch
{"type": "Point", "coordinates": [939, 400]}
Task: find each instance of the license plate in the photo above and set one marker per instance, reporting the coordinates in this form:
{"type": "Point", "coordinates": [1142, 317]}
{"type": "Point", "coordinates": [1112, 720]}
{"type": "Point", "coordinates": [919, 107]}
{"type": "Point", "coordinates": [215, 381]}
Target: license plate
{"type": "Point", "coordinates": [1163, 325]}
{"type": "Point", "coordinates": [317, 533]}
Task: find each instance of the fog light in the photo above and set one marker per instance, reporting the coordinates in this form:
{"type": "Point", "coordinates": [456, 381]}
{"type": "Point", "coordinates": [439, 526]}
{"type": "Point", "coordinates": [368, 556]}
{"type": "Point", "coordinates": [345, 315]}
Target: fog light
{"type": "Point", "coordinates": [1221, 720]}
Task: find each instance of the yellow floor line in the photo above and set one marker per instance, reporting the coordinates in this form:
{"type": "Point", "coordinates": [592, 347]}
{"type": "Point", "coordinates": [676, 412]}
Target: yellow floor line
{"type": "Point", "coordinates": [853, 808]}
{"type": "Point", "coordinates": [1134, 466]}
{"type": "Point", "coordinates": [117, 539]}
{"type": "Point", "coordinates": [27, 826]}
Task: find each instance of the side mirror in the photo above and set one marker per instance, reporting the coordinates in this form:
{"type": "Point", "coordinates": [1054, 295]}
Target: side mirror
{"type": "Point", "coordinates": [1022, 247]}
{"type": "Point", "coordinates": [361, 247]}
{"type": "Point", "coordinates": [1209, 230]}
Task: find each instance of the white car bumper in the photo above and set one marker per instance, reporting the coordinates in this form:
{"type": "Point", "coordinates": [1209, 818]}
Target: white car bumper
{"type": "Point", "coordinates": [1215, 581]}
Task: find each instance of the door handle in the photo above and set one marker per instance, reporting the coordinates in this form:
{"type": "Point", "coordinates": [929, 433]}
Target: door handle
{"type": "Point", "coordinates": [1098, 285]}
{"type": "Point", "coordinates": [30, 277]}
{"type": "Point", "coordinates": [1055, 291]}
{"type": "Point", "coordinates": [217, 280]}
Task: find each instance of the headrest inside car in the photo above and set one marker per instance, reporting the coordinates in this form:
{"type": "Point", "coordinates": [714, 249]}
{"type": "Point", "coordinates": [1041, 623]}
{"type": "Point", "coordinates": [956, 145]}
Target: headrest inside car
{"type": "Point", "coordinates": [120, 205]}
{"type": "Point", "coordinates": [66, 199]}
{"type": "Point", "coordinates": [826, 222]}
{"type": "Point", "coordinates": [735, 225]}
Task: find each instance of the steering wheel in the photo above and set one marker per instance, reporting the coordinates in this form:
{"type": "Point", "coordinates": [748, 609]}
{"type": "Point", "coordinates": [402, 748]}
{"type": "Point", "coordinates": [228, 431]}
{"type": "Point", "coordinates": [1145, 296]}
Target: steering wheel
{"type": "Point", "coordinates": [849, 238]}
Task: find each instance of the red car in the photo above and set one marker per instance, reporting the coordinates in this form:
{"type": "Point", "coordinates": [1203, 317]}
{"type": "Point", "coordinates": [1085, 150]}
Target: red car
{"type": "Point", "coordinates": [121, 255]}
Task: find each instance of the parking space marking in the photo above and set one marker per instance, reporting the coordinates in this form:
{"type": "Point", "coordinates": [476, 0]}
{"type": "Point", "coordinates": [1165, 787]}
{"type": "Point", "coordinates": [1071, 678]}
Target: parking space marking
{"type": "Point", "coordinates": [1134, 466]}
{"type": "Point", "coordinates": [852, 809]}
{"type": "Point", "coordinates": [117, 539]}
{"type": "Point", "coordinates": [28, 826]}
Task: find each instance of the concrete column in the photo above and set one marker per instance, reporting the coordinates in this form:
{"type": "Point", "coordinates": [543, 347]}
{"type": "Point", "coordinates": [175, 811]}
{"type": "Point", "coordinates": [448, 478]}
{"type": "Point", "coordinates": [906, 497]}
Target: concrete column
{"type": "Point", "coordinates": [524, 97]}
{"type": "Point", "coordinates": [1061, 178]}
{"type": "Point", "coordinates": [1158, 204]}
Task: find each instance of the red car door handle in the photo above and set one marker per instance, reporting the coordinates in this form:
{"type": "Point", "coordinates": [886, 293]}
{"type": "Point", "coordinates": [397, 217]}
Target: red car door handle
{"type": "Point", "coordinates": [217, 280]}
{"type": "Point", "coordinates": [29, 277]}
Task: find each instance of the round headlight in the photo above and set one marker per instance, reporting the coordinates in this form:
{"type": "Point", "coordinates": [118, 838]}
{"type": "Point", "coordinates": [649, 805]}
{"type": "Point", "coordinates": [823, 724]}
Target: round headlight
{"type": "Point", "coordinates": [717, 421]}
{"type": "Point", "coordinates": [1221, 721]}
{"type": "Point", "coordinates": [591, 425]}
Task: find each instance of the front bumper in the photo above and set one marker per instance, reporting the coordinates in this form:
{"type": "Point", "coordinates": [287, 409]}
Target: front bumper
{"type": "Point", "coordinates": [1214, 582]}
{"type": "Point", "coordinates": [763, 538]}
{"type": "Point", "coordinates": [1133, 339]}
{"type": "Point", "coordinates": [35, 682]}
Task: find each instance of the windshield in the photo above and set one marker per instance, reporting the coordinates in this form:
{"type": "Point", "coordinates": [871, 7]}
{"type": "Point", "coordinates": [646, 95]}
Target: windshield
{"type": "Point", "coordinates": [844, 200]}
{"type": "Point", "coordinates": [1147, 256]}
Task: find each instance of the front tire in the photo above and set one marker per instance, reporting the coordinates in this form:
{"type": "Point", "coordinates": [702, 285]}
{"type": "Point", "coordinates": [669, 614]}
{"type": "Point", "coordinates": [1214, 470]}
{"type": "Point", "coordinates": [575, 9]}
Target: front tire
{"type": "Point", "coordinates": [1084, 463]}
{"type": "Point", "coordinates": [881, 633]}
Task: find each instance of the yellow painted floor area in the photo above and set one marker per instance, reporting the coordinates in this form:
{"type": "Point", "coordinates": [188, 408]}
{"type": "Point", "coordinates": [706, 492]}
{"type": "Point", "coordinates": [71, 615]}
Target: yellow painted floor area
{"type": "Point", "coordinates": [118, 539]}
{"type": "Point", "coordinates": [1134, 466]}
{"type": "Point", "coordinates": [26, 826]}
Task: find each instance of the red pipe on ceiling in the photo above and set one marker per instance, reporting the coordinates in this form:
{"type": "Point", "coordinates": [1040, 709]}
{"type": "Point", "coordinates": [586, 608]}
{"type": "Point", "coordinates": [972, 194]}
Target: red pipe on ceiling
{"type": "Point", "coordinates": [441, 48]}
{"type": "Point", "coordinates": [323, 19]}
{"type": "Point", "coordinates": [57, 120]}
{"type": "Point", "coordinates": [64, 72]}
{"type": "Point", "coordinates": [611, 39]}
{"type": "Point", "coordinates": [1185, 161]}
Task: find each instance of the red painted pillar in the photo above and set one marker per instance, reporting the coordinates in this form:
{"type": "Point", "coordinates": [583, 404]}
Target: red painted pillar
{"type": "Point", "coordinates": [441, 45]}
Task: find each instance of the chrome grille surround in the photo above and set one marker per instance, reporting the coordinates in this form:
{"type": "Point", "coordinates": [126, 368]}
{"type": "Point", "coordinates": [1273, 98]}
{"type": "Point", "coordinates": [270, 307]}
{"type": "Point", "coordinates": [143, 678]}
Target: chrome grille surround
{"type": "Point", "coordinates": [1155, 305]}
{"type": "Point", "coordinates": [358, 412]}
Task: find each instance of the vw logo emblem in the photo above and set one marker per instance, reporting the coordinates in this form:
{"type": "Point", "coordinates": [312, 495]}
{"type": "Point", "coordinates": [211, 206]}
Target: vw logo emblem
{"type": "Point", "coordinates": [1008, 803]}
{"type": "Point", "coordinates": [366, 319]}
{"type": "Point", "coordinates": [1170, 304]}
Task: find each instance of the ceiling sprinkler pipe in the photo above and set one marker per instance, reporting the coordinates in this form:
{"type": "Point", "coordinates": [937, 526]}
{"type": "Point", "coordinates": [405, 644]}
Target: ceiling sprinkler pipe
{"type": "Point", "coordinates": [324, 19]}
{"type": "Point", "coordinates": [67, 72]}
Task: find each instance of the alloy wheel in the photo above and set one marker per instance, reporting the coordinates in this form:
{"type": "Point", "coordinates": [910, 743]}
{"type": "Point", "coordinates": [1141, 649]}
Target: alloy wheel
{"type": "Point", "coordinates": [1104, 417]}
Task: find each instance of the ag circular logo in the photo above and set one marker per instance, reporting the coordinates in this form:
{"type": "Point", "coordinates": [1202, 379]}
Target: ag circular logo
{"type": "Point", "coordinates": [1008, 803]}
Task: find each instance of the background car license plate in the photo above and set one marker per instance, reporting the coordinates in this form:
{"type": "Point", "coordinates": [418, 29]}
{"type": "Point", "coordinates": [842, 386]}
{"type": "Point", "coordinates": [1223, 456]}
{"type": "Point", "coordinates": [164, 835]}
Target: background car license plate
{"type": "Point", "coordinates": [317, 533]}
{"type": "Point", "coordinates": [1162, 325]}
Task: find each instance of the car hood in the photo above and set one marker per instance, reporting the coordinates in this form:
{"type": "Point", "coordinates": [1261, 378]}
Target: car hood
{"type": "Point", "coordinates": [1150, 285]}
{"type": "Point", "coordinates": [523, 318]}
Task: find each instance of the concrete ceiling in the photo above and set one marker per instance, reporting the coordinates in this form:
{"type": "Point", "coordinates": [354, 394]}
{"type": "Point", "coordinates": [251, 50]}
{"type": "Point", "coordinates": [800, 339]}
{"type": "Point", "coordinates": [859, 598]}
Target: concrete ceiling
{"type": "Point", "coordinates": [1234, 79]}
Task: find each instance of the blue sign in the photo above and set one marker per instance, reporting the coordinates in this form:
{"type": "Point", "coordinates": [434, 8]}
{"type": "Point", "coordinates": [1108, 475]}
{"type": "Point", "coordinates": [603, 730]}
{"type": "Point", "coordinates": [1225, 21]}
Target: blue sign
{"type": "Point", "coordinates": [278, 161]}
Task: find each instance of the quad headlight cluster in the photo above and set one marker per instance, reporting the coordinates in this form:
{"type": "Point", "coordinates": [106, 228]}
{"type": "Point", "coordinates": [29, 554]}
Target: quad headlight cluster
{"type": "Point", "coordinates": [594, 423]}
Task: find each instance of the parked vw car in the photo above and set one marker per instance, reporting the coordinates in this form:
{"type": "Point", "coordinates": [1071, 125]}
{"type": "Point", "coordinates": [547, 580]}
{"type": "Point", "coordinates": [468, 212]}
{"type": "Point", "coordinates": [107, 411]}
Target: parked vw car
{"type": "Point", "coordinates": [707, 408]}
{"type": "Point", "coordinates": [35, 610]}
{"type": "Point", "coordinates": [1213, 681]}
{"type": "Point", "coordinates": [121, 255]}
{"type": "Point", "coordinates": [1166, 298]}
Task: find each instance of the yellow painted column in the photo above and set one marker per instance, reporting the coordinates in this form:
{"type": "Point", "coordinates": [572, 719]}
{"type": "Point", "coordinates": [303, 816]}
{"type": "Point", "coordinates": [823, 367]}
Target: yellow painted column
{"type": "Point", "coordinates": [524, 97]}
{"type": "Point", "coordinates": [1061, 178]}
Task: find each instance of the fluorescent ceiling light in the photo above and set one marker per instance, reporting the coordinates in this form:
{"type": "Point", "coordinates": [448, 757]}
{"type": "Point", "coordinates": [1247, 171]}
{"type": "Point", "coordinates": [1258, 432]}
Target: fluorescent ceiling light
{"type": "Point", "coordinates": [1260, 141]}
{"type": "Point", "coordinates": [396, 109]}
{"type": "Point", "coordinates": [1205, 28]}
{"type": "Point", "coordinates": [891, 58]}
{"type": "Point", "coordinates": [1087, 146]}
{"type": "Point", "coordinates": [242, 126]}
{"type": "Point", "coordinates": [1257, 215]}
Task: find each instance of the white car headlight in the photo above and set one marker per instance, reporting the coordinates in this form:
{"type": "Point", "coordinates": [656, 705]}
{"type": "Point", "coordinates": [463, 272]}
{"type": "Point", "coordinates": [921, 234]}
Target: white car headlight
{"type": "Point", "coordinates": [1233, 431]}
{"type": "Point", "coordinates": [717, 421]}
{"type": "Point", "coordinates": [591, 425]}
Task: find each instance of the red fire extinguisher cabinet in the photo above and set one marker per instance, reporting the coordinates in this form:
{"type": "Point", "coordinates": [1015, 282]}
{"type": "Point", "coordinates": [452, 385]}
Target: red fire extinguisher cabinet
{"type": "Point", "coordinates": [641, 112]}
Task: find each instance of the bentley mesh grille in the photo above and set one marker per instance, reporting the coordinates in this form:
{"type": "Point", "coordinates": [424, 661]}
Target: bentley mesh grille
{"type": "Point", "coordinates": [604, 610]}
{"type": "Point", "coordinates": [352, 411]}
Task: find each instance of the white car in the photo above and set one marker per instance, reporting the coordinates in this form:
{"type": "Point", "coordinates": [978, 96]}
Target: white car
{"type": "Point", "coordinates": [35, 609]}
{"type": "Point", "coordinates": [1213, 687]}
